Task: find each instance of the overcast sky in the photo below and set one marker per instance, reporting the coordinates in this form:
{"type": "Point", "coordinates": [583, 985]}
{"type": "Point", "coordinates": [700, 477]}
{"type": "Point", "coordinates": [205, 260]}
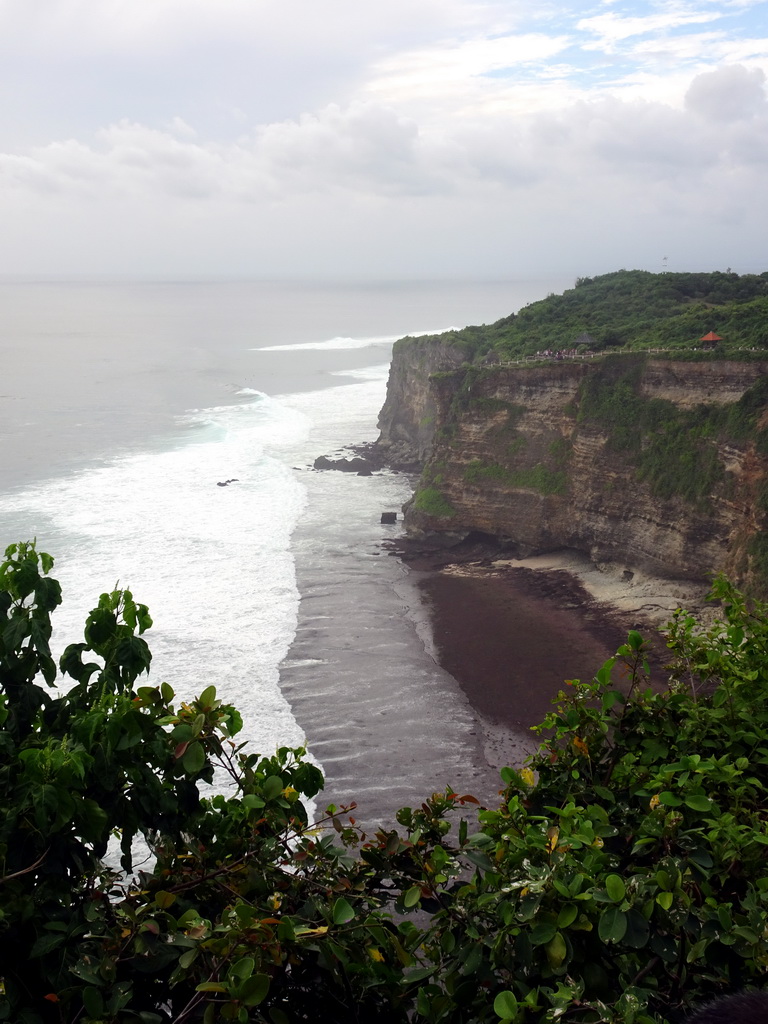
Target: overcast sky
{"type": "Point", "coordinates": [381, 138]}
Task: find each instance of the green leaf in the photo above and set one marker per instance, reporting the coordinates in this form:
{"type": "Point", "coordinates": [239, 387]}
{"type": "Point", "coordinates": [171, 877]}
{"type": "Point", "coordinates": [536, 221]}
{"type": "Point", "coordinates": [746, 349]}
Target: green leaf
{"type": "Point", "coordinates": [15, 631]}
{"type": "Point", "coordinates": [241, 970]}
{"type": "Point", "coordinates": [253, 802]}
{"type": "Point", "coordinates": [724, 917]}
{"type": "Point", "coordinates": [696, 950]}
{"type": "Point", "coordinates": [634, 640]}
{"type": "Point", "coordinates": [567, 915]}
{"type": "Point", "coordinates": [253, 990]}
{"type": "Point", "coordinates": [665, 900]}
{"type": "Point", "coordinates": [479, 859]}
{"type": "Point", "coordinates": [134, 654]}
{"type": "Point", "coordinates": [702, 858]}
{"type": "Point", "coordinates": [187, 959]}
{"type": "Point", "coordinates": [273, 787]}
{"type": "Point", "coordinates": [343, 911]}
{"type": "Point", "coordinates": [93, 1001]}
{"type": "Point", "coordinates": [194, 758]}
{"type": "Point", "coordinates": [86, 973]}
{"type": "Point", "coordinates": [100, 626]}
{"type": "Point", "coordinates": [605, 794]}
{"type": "Point", "coordinates": [638, 930]}
{"type": "Point", "coordinates": [39, 636]}
{"type": "Point", "coordinates": [410, 977]}
{"type": "Point", "coordinates": [720, 696]}
{"type": "Point", "coordinates": [505, 1005]}
{"type": "Point", "coordinates": [746, 933]}
{"type": "Point", "coordinates": [94, 821]}
{"type": "Point", "coordinates": [603, 674]}
{"type": "Point", "coordinates": [615, 887]}
{"type": "Point", "coordinates": [144, 619]}
{"type": "Point", "coordinates": [231, 723]}
{"type": "Point", "coordinates": [698, 802]}
{"type": "Point", "coordinates": [412, 896]}
{"type": "Point", "coordinates": [45, 944]}
{"type": "Point", "coordinates": [613, 925]}
{"type": "Point", "coordinates": [556, 951]}
{"type": "Point", "coordinates": [208, 697]}
{"type": "Point", "coordinates": [610, 698]}
{"type": "Point", "coordinates": [543, 932]}
{"type": "Point", "coordinates": [26, 578]}
{"type": "Point", "coordinates": [669, 799]}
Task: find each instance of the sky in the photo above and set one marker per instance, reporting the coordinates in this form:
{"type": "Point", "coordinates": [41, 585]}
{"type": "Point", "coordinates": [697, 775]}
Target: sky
{"type": "Point", "coordinates": [362, 139]}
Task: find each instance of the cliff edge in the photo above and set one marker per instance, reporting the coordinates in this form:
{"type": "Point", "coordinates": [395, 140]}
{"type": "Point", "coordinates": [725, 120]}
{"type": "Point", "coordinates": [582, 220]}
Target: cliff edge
{"type": "Point", "coordinates": [658, 465]}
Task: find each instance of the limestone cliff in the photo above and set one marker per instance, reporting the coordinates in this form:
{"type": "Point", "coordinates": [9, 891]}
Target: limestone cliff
{"type": "Point", "coordinates": [407, 419]}
{"type": "Point", "coordinates": [656, 465]}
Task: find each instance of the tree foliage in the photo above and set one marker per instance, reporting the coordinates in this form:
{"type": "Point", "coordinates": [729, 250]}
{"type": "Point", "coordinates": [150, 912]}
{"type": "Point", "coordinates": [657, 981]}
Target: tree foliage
{"type": "Point", "coordinates": [629, 308]}
{"type": "Point", "coordinates": [621, 878]}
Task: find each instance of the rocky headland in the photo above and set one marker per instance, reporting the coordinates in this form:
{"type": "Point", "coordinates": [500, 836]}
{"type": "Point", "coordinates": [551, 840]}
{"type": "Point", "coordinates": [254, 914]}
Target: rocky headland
{"type": "Point", "coordinates": [562, 503]}
{"type": "Point", "coordinates": [579, 469]}
{"type": "Point", "coordinates": [646, 467]}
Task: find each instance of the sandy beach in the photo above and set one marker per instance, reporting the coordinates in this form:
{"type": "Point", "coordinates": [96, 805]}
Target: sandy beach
{"type": "Point", "coordinates": [511, 631]}
{"type": "Point", "coordinates": [413, 669]}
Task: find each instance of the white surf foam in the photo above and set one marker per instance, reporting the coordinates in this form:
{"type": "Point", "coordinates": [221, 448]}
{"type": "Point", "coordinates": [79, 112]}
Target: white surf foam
{"type": "Point", "coordinates": [212, 562]}
{"type": "Point", "coordinates": [348, 343]}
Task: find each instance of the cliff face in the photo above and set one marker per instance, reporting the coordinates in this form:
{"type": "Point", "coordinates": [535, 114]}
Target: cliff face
{"type": "Point", "coordinates": [407, 418]}
{"type": "Point", "coordinates": [654, 465]}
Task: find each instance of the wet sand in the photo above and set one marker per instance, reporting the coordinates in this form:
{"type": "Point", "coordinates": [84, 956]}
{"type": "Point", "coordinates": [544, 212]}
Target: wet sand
{"type": "Point", "coordinates": [511, 632]}
{"type": "Point", "coordinates": [413, 670]}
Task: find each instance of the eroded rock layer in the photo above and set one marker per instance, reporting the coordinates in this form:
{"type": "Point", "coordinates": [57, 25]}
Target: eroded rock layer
{"type": "Point", "coordinates": [652, 464]}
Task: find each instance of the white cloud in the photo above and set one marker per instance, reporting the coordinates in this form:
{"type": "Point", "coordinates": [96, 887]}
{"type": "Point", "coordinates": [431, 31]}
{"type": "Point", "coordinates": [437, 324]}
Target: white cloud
{"type": "Point", "coordinates": [728, 94]}
{"type": "Point", "coordinates": [369, 150]}
{"type": "Point", "coordinates": [73, 66]}
{"type": "Point", "coordinates": [612, 29]}
{"type": "Point", "coordinates": [432, 68]}
{"type": "Point", "coordinates": [425, 136]}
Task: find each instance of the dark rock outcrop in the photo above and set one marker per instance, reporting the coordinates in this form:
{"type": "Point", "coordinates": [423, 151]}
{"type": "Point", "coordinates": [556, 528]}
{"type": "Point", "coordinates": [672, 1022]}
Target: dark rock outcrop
{"type": "Point", "coordinates": [360, 466]}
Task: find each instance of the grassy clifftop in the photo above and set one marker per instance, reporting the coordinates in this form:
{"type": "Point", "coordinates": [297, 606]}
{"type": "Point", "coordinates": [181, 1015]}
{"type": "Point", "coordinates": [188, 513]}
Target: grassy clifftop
{"type": "Point", "coordinates": [631, 309]}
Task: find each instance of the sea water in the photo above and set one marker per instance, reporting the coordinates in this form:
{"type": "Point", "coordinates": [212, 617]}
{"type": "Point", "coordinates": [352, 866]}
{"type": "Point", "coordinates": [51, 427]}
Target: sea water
{"type": "Point", "coordinates": [124, 411]}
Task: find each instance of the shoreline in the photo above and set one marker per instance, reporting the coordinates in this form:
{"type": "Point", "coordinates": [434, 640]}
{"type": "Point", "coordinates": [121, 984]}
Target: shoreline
{"type": "Point", "coordinates": [431, 668]}
{"type": "Point", "coordinates": [511, 631]}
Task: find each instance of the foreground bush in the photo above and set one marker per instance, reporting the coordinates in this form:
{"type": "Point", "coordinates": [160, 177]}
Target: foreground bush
{"type": "Point", "coordinates": [622, 877]}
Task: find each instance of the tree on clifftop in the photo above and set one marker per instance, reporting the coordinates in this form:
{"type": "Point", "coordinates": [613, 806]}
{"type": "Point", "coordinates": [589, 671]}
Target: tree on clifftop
{"type": "Point", "coordinates": [620, 879]}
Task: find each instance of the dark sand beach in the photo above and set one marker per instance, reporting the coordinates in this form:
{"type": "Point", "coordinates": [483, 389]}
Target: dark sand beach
{"type": "Point", "coordinates": [511, 631]}
{"type": "Point", "coordinates": [414, 669]}
{"type": "Point", "coordinates": [511, 637]}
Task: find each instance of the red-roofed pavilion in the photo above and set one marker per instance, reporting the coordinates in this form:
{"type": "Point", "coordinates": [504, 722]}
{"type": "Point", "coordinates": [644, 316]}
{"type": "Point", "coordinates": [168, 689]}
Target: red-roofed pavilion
{"type": "Point", "coordinates": [711, 337]}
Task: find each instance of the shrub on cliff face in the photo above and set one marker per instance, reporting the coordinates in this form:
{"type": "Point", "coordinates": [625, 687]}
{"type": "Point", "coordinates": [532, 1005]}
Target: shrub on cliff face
{"type": "Point", "coordinates": [622, 877]}
{"type": "Point", "coordinates": [433, 502]}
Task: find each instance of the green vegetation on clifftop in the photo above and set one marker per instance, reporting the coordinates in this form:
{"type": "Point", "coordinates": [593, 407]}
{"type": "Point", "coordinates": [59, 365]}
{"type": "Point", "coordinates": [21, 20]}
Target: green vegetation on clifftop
{"type": "Point", "coordinates": [629, 308]}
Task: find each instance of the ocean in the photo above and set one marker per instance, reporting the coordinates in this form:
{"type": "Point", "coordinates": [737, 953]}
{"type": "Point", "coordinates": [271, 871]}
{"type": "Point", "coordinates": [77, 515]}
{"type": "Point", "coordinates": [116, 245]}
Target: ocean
{"type": "Point", "coordinates": [124, 406]}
